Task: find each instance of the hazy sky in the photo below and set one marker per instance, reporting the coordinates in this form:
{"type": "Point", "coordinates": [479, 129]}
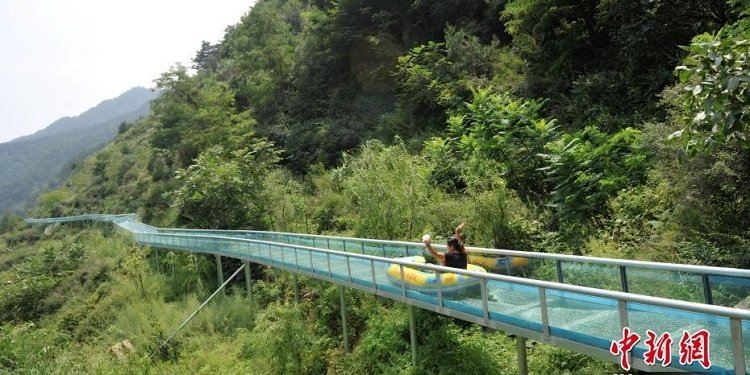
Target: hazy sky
{"type": "Point", "coordinates": [61, 57]}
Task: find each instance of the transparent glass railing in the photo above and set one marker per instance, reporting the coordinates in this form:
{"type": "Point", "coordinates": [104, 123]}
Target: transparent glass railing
{"type": "Point", "coordinates": [711, 285]}
{"type": "Point", "coordinates": [587, 316]}
{"type": "Point", "coordinates": [591, 315]}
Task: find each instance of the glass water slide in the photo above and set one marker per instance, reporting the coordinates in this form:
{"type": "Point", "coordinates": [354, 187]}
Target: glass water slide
{"type": "Point", "coordinates": [563, 311]}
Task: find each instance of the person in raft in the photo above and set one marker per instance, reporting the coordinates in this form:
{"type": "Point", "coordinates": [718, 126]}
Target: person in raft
{"type": "Point", "coordinates": [455, 256]}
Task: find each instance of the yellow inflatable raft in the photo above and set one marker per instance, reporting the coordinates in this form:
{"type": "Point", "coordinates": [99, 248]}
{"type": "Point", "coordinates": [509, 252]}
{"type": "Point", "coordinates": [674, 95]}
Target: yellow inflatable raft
{"type": "Point", "coordinates": [500, 264]}
{"type": "Point", "coordinates": [426, 281]}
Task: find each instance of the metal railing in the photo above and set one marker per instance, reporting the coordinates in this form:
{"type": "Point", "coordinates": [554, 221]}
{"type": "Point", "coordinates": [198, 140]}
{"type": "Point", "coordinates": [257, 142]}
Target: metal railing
{"type": "Point", "coordinates": [300, 258]}
{"type": "Point", "coordinates": [669, 280]}
{"type": "Point", "coordinates": [702, 278]}
{"type": "Point", "coordinates": [360, 271]}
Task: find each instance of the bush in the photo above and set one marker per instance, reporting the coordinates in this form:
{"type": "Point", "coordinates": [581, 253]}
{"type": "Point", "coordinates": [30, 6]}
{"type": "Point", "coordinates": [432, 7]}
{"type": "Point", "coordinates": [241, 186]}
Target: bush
{"type": "Point", "coordinates": [281, 342]}
{"type": "Point", "coordinates": [589, 167]}
{"type": "Point", "coordinates": [387, 188]}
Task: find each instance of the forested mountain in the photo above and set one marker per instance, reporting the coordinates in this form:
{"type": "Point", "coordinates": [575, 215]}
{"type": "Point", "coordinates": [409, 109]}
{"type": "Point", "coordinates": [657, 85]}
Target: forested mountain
{"type": "Point", "coordinates": [604, 128]}
{"type": "Point", "coordinates": [33, 163]}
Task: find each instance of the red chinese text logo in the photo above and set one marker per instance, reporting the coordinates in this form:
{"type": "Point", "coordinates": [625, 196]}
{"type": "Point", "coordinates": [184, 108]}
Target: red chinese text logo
{"type": "Point", "coordinates": [624, 346]}
{"type": "Point", "coordinates": [658, 349]}
{"type": "Point", "coordinates": [693, 348]}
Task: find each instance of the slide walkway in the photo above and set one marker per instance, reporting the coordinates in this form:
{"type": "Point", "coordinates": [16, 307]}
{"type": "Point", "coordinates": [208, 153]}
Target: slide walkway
{"type": "Point", "coordinates": [578, 303]}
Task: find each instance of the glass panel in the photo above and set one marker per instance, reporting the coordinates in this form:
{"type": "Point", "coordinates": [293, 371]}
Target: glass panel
{"type": "Point", "coordinates": [667, 284]}
{"type": "Point", "coordinates": [514, 304]}
{"type": "Point", "coordinates": [543, 269]}
{"type": "Point", "coordinates": [583, 318]}
{"type": "Point", "coordinates": [413, 250]}
{"type": "Point", "coordinates": [730, 291]}
{"type": "Point", "coordinates": [373, 249]}
{"type": "Point", "coordinates": [592, 275]}
{"type": "Point", "coordinates": [336, 244]}
{"type": "Point", "coordinates": [361, 271]}
{"type": "Point", "coordinates": [339, 267]}
{"type": "Point", "coordinates": [309, 241]}
{"type": "Point", "coordinates": [662, 319]}
{"type": "Point", "coordinates": [303, 260]}
{"type": "Point", "coordinates": [393, 251]}
{"type": "Point", "coordinates": [462, 293]}
{"type": "Point", "coordinates": [383, 281]}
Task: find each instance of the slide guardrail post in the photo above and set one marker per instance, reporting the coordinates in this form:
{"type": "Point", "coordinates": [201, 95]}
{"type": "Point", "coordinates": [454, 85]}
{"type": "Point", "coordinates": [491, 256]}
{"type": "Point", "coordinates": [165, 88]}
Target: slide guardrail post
{"type": "Point", "coordinates": [707, 295]}
{"type": "Point", "coordinates": [544, 312]}
{"type": "Point", "coordinates": [349, 268]}
{"type": "Point", "coordinates": [296, 281]}
{"type": "Point", "coordinates": [622, 307]}
{"type": "Point", "coordinates": [328, 259]}
{"type": "Point", "coordinates": [624, 278]}
{"type": "Point", "coordinates": [344, 325]}
{"type": "Point", "coordinates": [438, 277]}
{"type": "Point", "coordinates": [738, 349]}
{"type": "Point", "coordinates": [374, 280]}
{"type": "Point", "coordinates": [220, 273]}
{"type": "Point", "coordinates": [509, 265]}
{"type": "Point", "coordinates": [403, 280]}
{"type": "Point", "coordinates": [413, 335]}
{"type": "Point", "coordinates": [485, 301]}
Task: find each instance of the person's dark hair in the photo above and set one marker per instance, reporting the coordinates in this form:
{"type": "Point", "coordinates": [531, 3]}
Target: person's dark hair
{"type": "Point", "coordinates": [453, 241]}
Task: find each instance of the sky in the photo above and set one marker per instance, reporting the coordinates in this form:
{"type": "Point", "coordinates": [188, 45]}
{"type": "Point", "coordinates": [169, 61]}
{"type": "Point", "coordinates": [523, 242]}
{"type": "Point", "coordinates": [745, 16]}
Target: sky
{"type": "Point", "coordinates": [61, 57]}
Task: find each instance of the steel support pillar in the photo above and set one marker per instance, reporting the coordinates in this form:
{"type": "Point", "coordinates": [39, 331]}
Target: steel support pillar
{"type": "Point", "coordinates": [249, 287]}
{"type": "Point", "coordinates": [344, 324]}
{"type": "Point", "coordinates": [158, 264]}
{"type": "Point", "coordinates": [296, 290]}
{"type": "Point", "coordinates": [220, 273]}
{"type": "Point", "coordinates": [523, 366]}
{"type": "Point", "coordinates": [413, 334]}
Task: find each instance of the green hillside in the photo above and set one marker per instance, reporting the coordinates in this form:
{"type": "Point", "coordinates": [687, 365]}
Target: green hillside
{"type": "Point", "coordinates": [34, 163]}
{"type": "Point", "coordinates": [545, 125]}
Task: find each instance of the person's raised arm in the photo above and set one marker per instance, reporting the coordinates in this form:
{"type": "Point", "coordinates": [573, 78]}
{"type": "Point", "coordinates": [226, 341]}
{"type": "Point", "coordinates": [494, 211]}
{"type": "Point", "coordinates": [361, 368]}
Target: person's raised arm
{"type": "Point", "coordinates": [457, 233]}
{"type": "Point", "coordinates": [428, 244]}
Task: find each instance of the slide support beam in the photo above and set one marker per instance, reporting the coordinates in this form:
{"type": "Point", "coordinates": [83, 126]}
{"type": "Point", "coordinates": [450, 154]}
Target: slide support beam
{"type": "Point", "coordinates": [344, 325]}
{"type": "Point", "coordinates": [220, 273]}
{"type": "Point", "coordinates": [413, 335]}
{"type": "Point", "coordinates": [249, 288]}
{"type": "Point", "coordinates": [523, 365]}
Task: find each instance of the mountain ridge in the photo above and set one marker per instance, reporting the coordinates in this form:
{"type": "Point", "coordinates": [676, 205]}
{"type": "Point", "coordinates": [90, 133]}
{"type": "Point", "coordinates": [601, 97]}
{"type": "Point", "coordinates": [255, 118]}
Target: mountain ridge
{"type": "Point", "coordinates": [129, 101]}
{"type": "Point", "coordinates": [36, 162]}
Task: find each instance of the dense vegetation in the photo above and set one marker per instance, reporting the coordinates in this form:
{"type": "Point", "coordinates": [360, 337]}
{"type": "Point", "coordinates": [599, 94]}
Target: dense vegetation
{"type": "Point", "coordinates": [546, 125]}
{"type": "Point", "coordinates": [34, 163]}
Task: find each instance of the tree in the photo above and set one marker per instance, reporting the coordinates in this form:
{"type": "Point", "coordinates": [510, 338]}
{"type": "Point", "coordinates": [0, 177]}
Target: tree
{"type": "Point", "coordinates": [716, 79]}
{"type": "Point", "coordinates": [588, 167]}
{"type": "Point", "coordinates": [605, 61]}
{"type": "Point", "coordinates": [510, 132]}
{"type": "Point", "coordinates": [223, 189]}
{"type": "Point", "coordinates": [388, 190]}
{"type": "Point", "coordinates": [207, 57]}
{"type": "Point", "coordinates": [10, 222]}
